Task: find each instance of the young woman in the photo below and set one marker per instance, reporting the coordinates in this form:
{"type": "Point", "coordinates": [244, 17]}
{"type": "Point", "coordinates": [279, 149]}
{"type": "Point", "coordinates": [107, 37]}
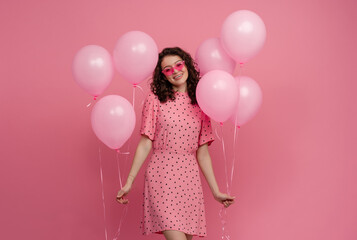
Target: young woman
{"type": "Point", "coordinates": [179, 133]}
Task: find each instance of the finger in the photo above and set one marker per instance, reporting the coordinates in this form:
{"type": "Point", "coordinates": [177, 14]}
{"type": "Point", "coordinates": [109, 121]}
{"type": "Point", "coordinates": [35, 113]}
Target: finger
{"type": "Point", "coordinates": [120, 193]}
{"type": "Point", "coordinates": [228, 203]}
{"type": "Point", "coordinates": [122, 200]}
{"type": "Point", "coordinates": [230, 198]}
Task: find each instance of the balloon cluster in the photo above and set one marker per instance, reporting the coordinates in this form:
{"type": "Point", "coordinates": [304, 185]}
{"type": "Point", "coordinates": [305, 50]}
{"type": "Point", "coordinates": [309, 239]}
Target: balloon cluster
{"type": "Point", "coordinates": [135, 56]}
{"type": "Point", "coordinates": [220, 95]}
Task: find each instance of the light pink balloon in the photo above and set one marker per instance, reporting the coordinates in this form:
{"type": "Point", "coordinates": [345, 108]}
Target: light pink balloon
{"type": "Point", "coordinates": [250, 100]}
{"type": "Point", "coordinates": [243, 35]}
{"type": "Point", "coordinates": [210, 56]}
{"type": "Point", "coordinates": [93, 69]}
{"type": "Point", "coordinates": [217, 95]}
{"type": "Point", "coordinates": [113, 120]}
{"type": "Point", "coordinates": [135, 56]}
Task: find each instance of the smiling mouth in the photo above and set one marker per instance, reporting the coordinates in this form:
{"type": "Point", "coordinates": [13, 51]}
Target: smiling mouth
{"type": "Point", "coordinates": [178, 76]}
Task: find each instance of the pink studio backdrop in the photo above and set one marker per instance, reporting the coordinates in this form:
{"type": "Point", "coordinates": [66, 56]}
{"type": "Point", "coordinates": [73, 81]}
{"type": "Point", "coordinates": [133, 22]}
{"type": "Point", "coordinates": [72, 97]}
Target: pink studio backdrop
{"type": "Point", "coordinates": [295, 172]}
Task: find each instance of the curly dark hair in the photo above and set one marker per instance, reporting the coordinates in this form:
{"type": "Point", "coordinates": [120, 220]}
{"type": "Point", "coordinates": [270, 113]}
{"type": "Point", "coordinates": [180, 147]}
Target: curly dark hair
{"type": "Point", "coordinates": [162, 88]}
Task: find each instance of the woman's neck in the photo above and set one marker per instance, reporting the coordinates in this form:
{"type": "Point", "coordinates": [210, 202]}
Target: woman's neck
{"type": "Point", "coordinates": [180, 88]}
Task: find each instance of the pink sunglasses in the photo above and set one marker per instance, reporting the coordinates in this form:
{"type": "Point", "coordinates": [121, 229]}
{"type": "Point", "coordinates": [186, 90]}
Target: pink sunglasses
{"type": "Point", "coordinates": [170, 70]}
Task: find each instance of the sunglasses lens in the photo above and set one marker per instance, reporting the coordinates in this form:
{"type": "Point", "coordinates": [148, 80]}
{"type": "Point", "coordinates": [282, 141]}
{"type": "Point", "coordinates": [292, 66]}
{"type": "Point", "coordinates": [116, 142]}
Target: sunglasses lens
{"type": "Point", "coordinates": [179, 65]}
{"type": "Point", "coordinates": [168, 71]}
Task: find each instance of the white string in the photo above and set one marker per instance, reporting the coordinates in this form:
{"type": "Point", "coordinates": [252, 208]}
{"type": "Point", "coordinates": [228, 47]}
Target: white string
{"type": "Point", "coordinates": [142, 93]}
{"type": "Point", "coordinates": [102, 185]}
{"type": "Point", "coordinates": [225, 160]}
{"type": "Point", "coordinates": [217, 135]}
{"type": "Point", "coordinates": [125, 210]}
{"type": "Point", "coordinates": [223, 217]}
{"type": "Point", "coordinates": [236, 128]}
{"type": "Point", "coordinates": [123, 215]}
{"type": "Point", "coordinates": [223, 211]}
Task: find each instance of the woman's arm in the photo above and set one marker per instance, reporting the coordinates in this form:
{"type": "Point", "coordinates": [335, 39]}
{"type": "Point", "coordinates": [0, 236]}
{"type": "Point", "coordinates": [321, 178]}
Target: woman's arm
{"type": "Point", "coordinates": [204, 160]}
{"type": "Point", "coordinates": [142, 151]}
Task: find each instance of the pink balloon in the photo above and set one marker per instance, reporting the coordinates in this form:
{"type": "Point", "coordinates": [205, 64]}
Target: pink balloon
{"type": "Point", "coordinates": [243, 35]}
{"type": "Point", "coordinates": [135, 56]}
{"type": "Point", "coordinates": [217, 95]}
{"type": "Point", "coordinates": [113, 120]}
{"type": "Point", "coordinates": [250, 100]}
{"type": "Point", "coordinates": [210, 56]}
{"type": "Point", "coordinates": [93, 69]}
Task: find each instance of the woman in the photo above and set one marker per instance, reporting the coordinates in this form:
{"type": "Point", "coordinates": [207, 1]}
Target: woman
{"type": "Point", "coordinates": [179, 133]}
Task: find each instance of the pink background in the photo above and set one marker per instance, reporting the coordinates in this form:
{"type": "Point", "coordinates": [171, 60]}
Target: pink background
{"type": "Point", "coordinates": [296, 166]}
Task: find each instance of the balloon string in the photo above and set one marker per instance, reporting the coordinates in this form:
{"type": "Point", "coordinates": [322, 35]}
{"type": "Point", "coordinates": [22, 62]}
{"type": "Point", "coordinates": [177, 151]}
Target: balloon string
{"type": "Point", "coordinates": [234, 152]}
{"type": "Point", "coordinates": [236, 126]}
{"type": "Point", "coordinates": [127, 155]}
{"type": "Point", "coordinates": [123, 153]}
{"type": "Point", "coordinates": [223, 217]}
{"type": "Point", "coordinates": [142, 93]}
{"type": "Point", "coordinates": [119, 174]}
{"type": "Point", "coordinates": [240, 70]}
{"type": "Point", "coordinates": [225, 160]}
{"type": "Point", "coordinates": [134, 86]}
{"type": "Point", "coordinates": [125, 210]}
{"type": "Point", "coordinates": [89, 104]}
{"type": "Point", "coordinates": [102, 185]}
{"type": "Point", "coordinates": [217, 135]}
{"type": "Point", "coordinates": [223, 212]}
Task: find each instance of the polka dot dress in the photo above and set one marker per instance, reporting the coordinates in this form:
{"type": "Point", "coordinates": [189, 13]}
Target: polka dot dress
{"type": "Point", "coordinates": [173, 198]}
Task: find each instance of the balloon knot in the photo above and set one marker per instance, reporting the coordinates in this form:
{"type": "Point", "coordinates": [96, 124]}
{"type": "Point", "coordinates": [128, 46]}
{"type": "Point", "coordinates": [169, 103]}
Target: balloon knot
{"type": "Point", "coordinates": [118, 150]}
{"type": "Point", "coordinates": [221, 123]}
{"type": "Point", "coordinates": [134, 85]}
{"type": "Point", "coordinates": [95, 97]}
{"type": "Point", "coordinates": [238, 126]}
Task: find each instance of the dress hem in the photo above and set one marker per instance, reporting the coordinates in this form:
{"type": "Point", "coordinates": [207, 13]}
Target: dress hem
{"type": "Point", "coordinates": [185, 232]}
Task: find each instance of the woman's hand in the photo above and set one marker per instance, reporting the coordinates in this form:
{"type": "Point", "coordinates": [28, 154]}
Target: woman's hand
{"type": "Point", "coordinates": [122, 193]}
{"type": "Point", "coordinates": [225, 199]}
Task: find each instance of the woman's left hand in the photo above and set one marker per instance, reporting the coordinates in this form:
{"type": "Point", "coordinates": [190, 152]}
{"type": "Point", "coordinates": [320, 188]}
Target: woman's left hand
{"type": "Point", "coordinates": [224, 198]}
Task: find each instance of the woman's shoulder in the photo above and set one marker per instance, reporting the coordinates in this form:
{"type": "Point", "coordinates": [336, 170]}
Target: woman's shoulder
{"type": "Point", "coordinates": [204, 116]}
{"type": "Point", "coordinates": [151, 95]}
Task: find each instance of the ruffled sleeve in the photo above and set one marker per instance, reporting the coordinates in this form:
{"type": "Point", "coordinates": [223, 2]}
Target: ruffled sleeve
{"type": "Point", "coordinates": [206, 134]}
{"type": "Point", "coordinates": [149, 116]}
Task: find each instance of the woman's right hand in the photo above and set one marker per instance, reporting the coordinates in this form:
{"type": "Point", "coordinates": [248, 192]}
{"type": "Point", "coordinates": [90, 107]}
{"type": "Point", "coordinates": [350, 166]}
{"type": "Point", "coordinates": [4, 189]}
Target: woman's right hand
{"type": "Point", "coordinates": [122, 193]}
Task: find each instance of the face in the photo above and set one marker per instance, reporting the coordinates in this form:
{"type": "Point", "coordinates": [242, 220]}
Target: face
{"type": "Point", "coordinates": [178, 74]}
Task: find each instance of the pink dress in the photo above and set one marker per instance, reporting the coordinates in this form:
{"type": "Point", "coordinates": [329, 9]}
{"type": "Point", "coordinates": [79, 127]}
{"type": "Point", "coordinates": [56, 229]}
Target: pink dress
{"type": "Point", "coordinates": [173, 197]}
